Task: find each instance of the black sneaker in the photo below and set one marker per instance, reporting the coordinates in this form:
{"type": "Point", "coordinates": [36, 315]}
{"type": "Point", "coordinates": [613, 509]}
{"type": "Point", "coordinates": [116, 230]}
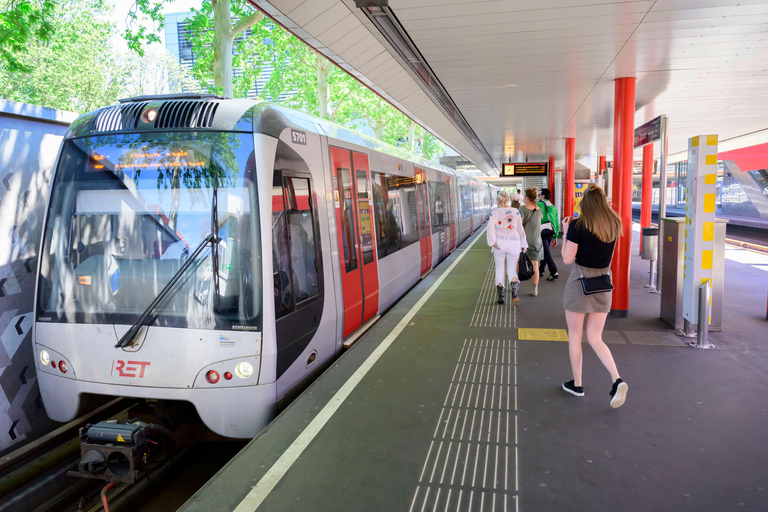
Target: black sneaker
{"type": "Point", "coordinates": [554, 276]}
{"type": "Point", "coordinates": [572, 389]}
{"type": "Point", "coordinates": [619, 393]}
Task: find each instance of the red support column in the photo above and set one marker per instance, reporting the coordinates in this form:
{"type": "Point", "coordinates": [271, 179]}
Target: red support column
{"type": "Point", "coordinates": [623, 148]}
{"type": "Point", "coordinates": [601, 166]}
{"type": "Point", "coordinates": [569, 176]}
{"type": "Point", "coordinates": [551, 178]}
{"type": "Point", "coordinates": [647, 190]}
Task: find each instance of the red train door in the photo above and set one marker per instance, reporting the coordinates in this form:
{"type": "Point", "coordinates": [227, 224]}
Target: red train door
{"type": "Point", "coordinates": [353, 202]}
{"type": "Point", "coordinates": [425, 230]}
{"type": "Point", "coordinates": [452, 217]}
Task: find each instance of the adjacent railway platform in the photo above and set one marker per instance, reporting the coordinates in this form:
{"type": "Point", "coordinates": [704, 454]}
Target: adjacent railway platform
{"type": "Point", "coordinates": [452, 402]}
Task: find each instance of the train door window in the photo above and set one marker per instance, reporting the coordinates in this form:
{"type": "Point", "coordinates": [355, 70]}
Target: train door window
{"type": "Point", "coordinates": [281, 252]}
{"type": "Point", "coordinates": [347, 221]}
{"type": "Point", "coordinates": [301, 238]}
{"type": "Point", "coordinates": [366, 222]}
{"type": "Point", "coordinates": [423, 205]}
{"type": "Point", "coordinates": [294, 251]}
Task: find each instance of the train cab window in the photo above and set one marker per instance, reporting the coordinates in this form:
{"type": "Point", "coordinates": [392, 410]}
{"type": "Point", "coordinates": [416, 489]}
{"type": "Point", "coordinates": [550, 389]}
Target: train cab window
{"type": "Point", "coordinates": [294, 249]}
{"type": "Point", "coordinates": [127, 211]}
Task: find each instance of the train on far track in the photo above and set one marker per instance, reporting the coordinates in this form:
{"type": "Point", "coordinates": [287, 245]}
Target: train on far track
{"type": "Point", "coordinates": [223, 252]}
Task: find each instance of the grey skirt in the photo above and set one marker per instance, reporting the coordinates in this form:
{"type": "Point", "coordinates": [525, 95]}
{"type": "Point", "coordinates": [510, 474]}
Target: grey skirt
{"type": "Point", "coordinates": [574, 298]}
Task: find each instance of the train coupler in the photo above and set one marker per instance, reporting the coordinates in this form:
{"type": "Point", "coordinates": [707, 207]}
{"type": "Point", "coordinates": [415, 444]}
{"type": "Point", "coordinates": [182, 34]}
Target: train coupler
{"type": "Point", "coordinates": [113, 451]}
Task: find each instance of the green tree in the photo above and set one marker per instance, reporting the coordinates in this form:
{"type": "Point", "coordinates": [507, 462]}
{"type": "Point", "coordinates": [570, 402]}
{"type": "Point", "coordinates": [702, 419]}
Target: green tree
{"type": "Point", "coordinates": [23, 22]}
{"type": "Point", "coordinates": [75, 70]}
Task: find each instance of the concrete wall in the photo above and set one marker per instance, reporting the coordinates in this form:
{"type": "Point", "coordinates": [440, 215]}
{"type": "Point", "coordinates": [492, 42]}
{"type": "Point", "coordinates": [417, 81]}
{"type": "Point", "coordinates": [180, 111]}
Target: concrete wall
{"type": "Point", "coordinates": [29, 142]}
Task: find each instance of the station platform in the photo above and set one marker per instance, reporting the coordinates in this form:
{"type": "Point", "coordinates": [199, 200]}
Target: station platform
{"type": "Point", "coordinates": [452, 402]}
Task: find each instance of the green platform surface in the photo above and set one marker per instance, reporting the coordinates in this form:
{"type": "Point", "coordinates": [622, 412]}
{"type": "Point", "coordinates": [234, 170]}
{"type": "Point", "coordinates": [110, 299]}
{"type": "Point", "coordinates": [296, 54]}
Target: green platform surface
{"type": "Point", "coordinates": [459, 413]}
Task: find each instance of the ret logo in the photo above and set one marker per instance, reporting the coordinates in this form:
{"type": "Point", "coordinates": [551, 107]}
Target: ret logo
{"type": "Point", "coordinates": [129, 368]}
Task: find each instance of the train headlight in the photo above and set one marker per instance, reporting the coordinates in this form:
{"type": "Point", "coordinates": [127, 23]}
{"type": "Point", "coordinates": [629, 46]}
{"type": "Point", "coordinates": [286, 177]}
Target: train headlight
{"type": "Point", "coordinates": [149, 115]}
{"type": "Point", "coordinates": [244, 370]}
{"type": "Point", "coordinates": [45, 357]}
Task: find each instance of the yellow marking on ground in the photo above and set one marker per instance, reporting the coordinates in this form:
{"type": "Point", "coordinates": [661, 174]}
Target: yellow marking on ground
{"type": "Point", "coordinates": [542, 334]}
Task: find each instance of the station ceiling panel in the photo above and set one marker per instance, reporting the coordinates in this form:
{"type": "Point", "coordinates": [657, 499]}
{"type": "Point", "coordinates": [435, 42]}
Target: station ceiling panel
{"type": "Point", "coordinates": [523, 76]}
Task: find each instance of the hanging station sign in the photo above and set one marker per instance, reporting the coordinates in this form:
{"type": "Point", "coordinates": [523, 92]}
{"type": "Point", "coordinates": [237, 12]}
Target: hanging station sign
{"type": "Point", "coordinates": [518, 170]}
{"type": "Point", "coordinates": [648, 133]}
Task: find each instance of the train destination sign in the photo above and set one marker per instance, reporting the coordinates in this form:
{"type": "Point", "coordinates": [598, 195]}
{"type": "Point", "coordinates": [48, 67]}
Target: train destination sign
{"type": "Point", "coordinates": [648, 133]}
{"type": "Point", "coordinates": [524, 169]}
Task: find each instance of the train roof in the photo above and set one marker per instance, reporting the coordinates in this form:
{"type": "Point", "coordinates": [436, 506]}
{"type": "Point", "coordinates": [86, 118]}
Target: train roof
{"type": "Point", "coordinates": [196, 111]}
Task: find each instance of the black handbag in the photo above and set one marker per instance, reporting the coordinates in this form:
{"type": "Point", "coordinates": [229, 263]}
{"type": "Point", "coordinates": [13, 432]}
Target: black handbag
{"type": "Point", "coordinates": [524, 267]}
{"type": "Point", "coordinates": [597, 284]}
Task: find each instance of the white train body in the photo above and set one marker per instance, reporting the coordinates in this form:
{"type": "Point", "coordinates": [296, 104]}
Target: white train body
{"type": "Point", "coordinates": [344, 224]}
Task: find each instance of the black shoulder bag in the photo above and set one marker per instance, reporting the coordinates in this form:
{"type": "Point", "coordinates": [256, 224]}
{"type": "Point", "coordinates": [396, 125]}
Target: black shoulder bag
{"type": "Point", "coordinates": [597, 284]}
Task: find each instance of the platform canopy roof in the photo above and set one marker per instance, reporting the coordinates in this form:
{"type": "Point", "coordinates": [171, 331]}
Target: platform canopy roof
{"type": "Point", "coordinates": [511, 79]}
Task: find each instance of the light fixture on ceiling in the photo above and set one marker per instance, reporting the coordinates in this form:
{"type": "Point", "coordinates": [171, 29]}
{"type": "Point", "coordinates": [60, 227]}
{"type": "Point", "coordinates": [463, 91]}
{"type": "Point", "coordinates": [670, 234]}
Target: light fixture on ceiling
{"type": "Point", "coordinates": [384, 19]}
{"type": "Point", "coordinates": [362, 4]}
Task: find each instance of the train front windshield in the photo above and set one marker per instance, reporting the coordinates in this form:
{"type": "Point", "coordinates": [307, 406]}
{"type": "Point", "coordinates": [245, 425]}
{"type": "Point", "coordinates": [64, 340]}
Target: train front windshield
{"type": "Point", "coordinates": [127, 211]}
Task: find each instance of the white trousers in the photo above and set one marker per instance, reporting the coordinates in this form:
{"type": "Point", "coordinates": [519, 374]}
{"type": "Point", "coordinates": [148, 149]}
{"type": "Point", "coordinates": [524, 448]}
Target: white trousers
{"type": "Point", "coordinates": [508, 250]}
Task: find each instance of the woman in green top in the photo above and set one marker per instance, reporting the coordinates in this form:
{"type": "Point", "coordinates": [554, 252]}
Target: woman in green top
{"type": "Point", "coordinates": [532, 215]}
{"type": "Point", "coordinates": [550, 229]}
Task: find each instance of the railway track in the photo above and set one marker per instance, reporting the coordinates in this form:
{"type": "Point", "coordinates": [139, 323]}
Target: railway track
{"type": "Point", "coordinates": [34, 477]}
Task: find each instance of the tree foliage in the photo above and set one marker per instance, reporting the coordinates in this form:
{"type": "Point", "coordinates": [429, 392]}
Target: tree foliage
{"type": "Point", "coordinates": [298, 77]}
{"type": "Point", "coordinates": [38, 68]}
{"type": "Point", "coordinates": [79, 70]}
{"type": "Point", "coordinates": [75, 70]}
{"type": "Point", "coordinates": [22, 22]}
{"type": "Point", "coordinates": [136, 34]}
{"type": "Point", "coordinates": [246, 45]}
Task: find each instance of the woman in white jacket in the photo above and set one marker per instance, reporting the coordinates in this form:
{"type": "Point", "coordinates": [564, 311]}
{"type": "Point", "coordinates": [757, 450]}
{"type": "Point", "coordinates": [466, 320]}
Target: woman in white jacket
{"type": "Point", "coordinates": [507, 238]}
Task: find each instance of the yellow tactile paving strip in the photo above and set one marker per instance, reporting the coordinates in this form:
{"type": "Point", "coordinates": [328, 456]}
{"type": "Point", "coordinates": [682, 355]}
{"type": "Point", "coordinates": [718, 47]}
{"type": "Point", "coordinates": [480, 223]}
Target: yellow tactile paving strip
{"type": "Point", "coordinates": [542, 334]}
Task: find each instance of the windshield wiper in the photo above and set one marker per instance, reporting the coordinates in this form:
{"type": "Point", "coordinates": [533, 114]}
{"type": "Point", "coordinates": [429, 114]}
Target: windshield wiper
{"type": "Point", "coordinates": [213, 240]}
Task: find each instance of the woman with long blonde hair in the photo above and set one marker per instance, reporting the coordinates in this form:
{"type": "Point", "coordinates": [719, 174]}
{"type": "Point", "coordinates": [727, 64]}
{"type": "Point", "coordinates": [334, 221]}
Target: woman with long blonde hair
{"type": "Point", "coordinates": [589, 241]}
{"type": "Point", "coordinates": [506, 237]}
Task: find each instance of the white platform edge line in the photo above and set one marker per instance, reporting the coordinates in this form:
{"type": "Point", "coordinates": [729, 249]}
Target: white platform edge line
{"type": "Point", "coordinates": [261, 490]}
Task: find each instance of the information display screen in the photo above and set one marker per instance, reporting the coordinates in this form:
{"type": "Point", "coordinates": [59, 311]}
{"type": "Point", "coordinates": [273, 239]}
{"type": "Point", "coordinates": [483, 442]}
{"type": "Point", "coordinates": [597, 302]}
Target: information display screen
{"type": "Point", "coordinates": [524, 169]}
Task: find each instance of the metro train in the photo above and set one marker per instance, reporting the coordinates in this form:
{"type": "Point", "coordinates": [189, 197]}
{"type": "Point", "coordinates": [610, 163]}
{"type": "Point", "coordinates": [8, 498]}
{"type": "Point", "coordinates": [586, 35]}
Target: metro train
{"type": "Point", "coordinates": [153, 279]}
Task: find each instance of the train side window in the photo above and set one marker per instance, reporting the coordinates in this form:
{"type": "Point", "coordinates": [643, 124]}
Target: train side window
{"type": "Point", "coordinates": [386, 227]}
{"type": "Point", "coordinates": [396, 213]}
{"type": "Point", "coordinates": [439, 197]}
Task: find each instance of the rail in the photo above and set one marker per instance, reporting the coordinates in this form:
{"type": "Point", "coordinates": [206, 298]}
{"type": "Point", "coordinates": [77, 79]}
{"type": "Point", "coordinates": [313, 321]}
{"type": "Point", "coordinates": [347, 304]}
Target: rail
{"type": "Point", "coordinates": [747, 245]}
